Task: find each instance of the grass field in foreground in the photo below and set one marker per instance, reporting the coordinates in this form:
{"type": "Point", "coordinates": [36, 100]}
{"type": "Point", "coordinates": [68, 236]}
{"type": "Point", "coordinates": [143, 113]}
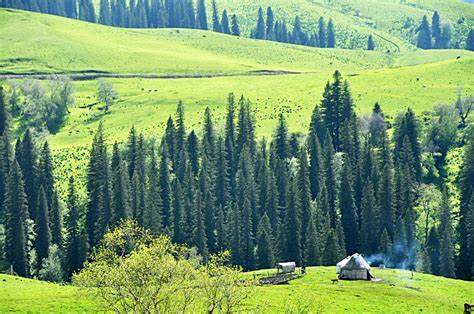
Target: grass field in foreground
{"type": "Point", "coordinates": [395, 293]}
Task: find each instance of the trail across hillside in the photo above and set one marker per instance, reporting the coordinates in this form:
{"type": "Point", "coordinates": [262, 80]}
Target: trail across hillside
{"type": "Point", "coordinates": [84, 76]}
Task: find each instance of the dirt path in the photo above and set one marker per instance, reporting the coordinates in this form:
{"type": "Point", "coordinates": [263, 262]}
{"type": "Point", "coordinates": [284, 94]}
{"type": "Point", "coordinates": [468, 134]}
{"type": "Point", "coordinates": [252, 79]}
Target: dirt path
{"type": "Point", "coordinates": [84, 76]}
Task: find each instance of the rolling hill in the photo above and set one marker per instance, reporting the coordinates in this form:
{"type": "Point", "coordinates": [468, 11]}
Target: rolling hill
{"type": "Point", "coordinates": [152, 69]}
{"type": "Point", "coordinates": [397, 292]}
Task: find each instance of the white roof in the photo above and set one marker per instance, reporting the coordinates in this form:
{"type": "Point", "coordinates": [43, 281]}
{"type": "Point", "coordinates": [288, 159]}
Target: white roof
{"type": "Point", "coordinates": [287, 264]}
{"type": "Point", "coordinates": [355, 261]}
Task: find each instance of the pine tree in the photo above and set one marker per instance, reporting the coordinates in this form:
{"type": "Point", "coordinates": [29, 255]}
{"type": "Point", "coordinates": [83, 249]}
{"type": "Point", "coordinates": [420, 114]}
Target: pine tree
{"type": "Point", "coordinates": [4, 116]}
{"type": "Point", "coordinates": [5, 156]}
{"type": "Point", "coordinates": [199, 233]}
{"type": "Point", "coordinates": [292, 224]}
{"type": "Point", "coordinates": [16, 215]}
{"type": "Point", "coordinates": [216, 26]}
{"type": "Point", "coordinates": [45, 172]}
{"type": "Point", "coordinates": [331, 36]}
{"type": "Point", "coordinates": [260, 29]}
{"type": "Point", "coordinates": [165, 188]}
{"type": "Point", "coordinates": [132, 151]}
{"type": "Point", "coordinates": [201, 15]}
{"type": "Point", "coordinates": [316, 164]}
{"type": "Point", "coordinates": [446, 257]}
{"type": "Point", "coordinates": [436, 30]}
{"type": "Point", "coordinates": [193, 152]}
{"type": "Point", "coordinates": [104, 12]}
{"type": "Point", "coordinates": [466, 187]}
{"type": "Point", "coordinates": [348, 210]}
{"type": "Point", "coordinates": [330, 182]}
{"type": "Point", "coordinates": [119, 188]}
{"type": "Point", "coordinates": [55, 221]}
{"type": "Point", "coordinates": [170, 139]}
{"type": "Point", "coordinates": [235, 25]}
{"type": "Point", "coordinates": [312, 250]}
{"type": "Point", "coordinates": [370, 43]}
{"type": "Point", "coordinates": [26, 157]}
{"type": "Point", "coordinates": [322, 33]}
{"type": "Point", "coordinates": [424, 35]}
{"type": "Point", "coordinates": [178, 207]}
{"type": "Point", "coordinates": [71, 8]}
{"type": "Point", "coordinates": [265, 256]}
{"type": "Point", "coordinates": [385, 192]}
{"type": "Point", "coordinates": [470, 224]}
{"type": "Point", "coordinates": [470, 40]}
{"type": "Point", "coordinates": [407, 128]}
{"type": "Point", "coordinates": [152, 217]}
{"type": "Point", "coordinates": [43, 232]}
{"type": "Point", "coordinates": [76, 240]}
{"type": "Point", "coordinates": [269, 24]}
{"type": "Point", "coordinates": [433, 250]}
{"type": "Point", "coordinates": [98, 208]}
{"type": "Point", "coordinates": [369, 222]}
{"type": "Point", "coordinates": [87, 11]}
{"type": "Point", "coordinates": [225, 23]}
{"type": "Point", "coordinates": [281, 139]}
{"type": "Point", "coordinates": [304, 189]}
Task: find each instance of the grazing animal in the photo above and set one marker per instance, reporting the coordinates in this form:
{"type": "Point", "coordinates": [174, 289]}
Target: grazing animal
{"type": "Point", "coordinates": [468, 307]}
{"type": "Point", "coordinates": [334, 281]}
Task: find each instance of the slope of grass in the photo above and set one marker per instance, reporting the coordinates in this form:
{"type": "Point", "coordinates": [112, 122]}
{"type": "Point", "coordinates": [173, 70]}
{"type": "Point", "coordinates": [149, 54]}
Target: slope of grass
{"type": "Point", "coordinates": [33, 296]}
{"type": "Point", "coordinates": [356, 19]}
{"type": "Point", "coordinates": [396, 292]}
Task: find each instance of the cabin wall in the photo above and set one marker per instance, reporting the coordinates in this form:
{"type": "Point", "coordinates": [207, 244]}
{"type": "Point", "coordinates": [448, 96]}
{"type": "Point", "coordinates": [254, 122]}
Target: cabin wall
{"type": "Point", "coordinates": [358, 274]}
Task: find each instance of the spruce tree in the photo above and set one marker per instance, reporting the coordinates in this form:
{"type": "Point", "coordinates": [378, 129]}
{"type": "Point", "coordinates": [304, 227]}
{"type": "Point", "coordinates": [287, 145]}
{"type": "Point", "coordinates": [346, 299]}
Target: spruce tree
{"type": "Point", "coordinates": [152, 217]}
{"type": "Point", "coordinates": [165, 188]}
{"type": "Point", "coordinates": [216, 26]}
{"type": "Point", "coordinates": [104, 12]}
{"type": "Point", "coordinates": [119, 188]}
{"type": "Point", "coordinates": [433, 250]}
{"type": "Point", "coordinates": [370, 43]}
{"type": "Point", "coordinates": [322, 33]}
{"type": "Point", "coordinates": [26, 157]}
{"type": "Point", "coordinates": [436, 30]}
{"type": "Point", "coordinates": [225, 27]}
{"type": "Point", "coordinates": [269, 24]}
{"type": "Point", "coordinates": [260, 29]}
{"type": "Point", "coordinates": [45, 172]}
{"type": "Point", "coordinates": [235, 25]}
{"type": "Point", "coordinates": [331, 36]}
{"type": "Point", "coordinates": [4, 116]}
{"type": "Point", "coordinates": [304, 189]}
{"type": "Point", "coordinates": [312, 249]}
{"type": "Point", "coordinates": [199, 232]}
{"type": "Point", "coordinates": [55, 221]}
{"type": "Point", "coordinates": [348, 210]}
{"type": "Point", "coordinates": [315, 165]}
{"type": "Point", "coordinates": [76, 239]}
{"type": "Point", "coordinates": [369, 222]}
{"type": "Point", "coordinates": [193, 152]}
{"type": "Point", "coordinates": [446, 257]}
{"type": "Point", "coordinates": [265, 256]}
{"type": "Point", "coordinates": [201, 15]}
{"type": "Point", "coordinates": [5, 156]}
{"type": "Point", "coordinates": [424, 35]}
{"type": "Point", "coordinates": [98, 208]}
{"type": "Point", "coordinates": [43, 232]}
{"type": "Point", "coordinates": [292, 224]}
{"type": "Point", "coordinates": [329, 175]}
{"type": "Point", "coordinates": [87, 11]}
{"type": "Point", "coordinates": [178, 207]}
{"type": "Point", "coordinates": [466, 188]}
{"type": "Point", "coordinates": [16, 215]}
{"type": "Point", "coordinates": [281, 139]}
{"type": "Point", "coordinates": [470, 237]}
{"type": "Point", "coordinates": [470, 40]}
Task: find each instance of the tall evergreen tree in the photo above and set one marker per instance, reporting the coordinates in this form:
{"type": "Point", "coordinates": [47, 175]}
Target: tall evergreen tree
{"type": "Point", "coordinates": [119, 188]}
{"type": "Point", "coordinates": [235, 25]}
{"type": "Point", "coordinates": [260, 29]}
{"type": "Point", "coordinates": [322, 33]}
{"type": "Point", "coordinates": [27, 160]}
{"type": "Point", "coordinates": [436, 30]}
{"type": "Point", "coordinates": [331, 35]}
{"type": "Point", "coordinates": [348, 210]}
{"type": "Point", "coordinates": [370, 43]}
{"type": "Point", "coordinates": [216, 26]}
{"type": "Point", "coordinates": [470, 40]}
{"type": "Point", "coordinates": [87, 11]}
{"type": "Point", "coordinates": [269, 24]}
{"type": "Point", "coordinates": [330, 181]}
{"type": "Point", "coordinates": [225, 27]}
{"type": "Point", "coordinates": [265, 256]}
{"type": "Point", "coordinates": [16, 215]}
{"type": "Point", "coordinates": [152, 216]}
{"type": "Point", "coordinates": [76, 240]}
{"type": "Point", "coordinates": [312, 247]}
{"type": "Point", "coordinates": [201, 15]}
{"type": "Point", "coordinates": [466, 187]}
{"type": "Point", "coordinates": [446, 257]}
{"type": "Point", "coordinates": [424, 35]}
{"type": "Point", "coordinates": [292, 225]}
{"type": "Point", "coordinates": [43, 232]}
{"type": "Point", "coordinates": [104, 12]}
{"type": "Point", "coordinates": [55, 221]}
{"type": "Point", "coordinates": [165, 187]}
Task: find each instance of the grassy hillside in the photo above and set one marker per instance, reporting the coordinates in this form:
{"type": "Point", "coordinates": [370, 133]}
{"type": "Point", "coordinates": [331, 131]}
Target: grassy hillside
{"type": "Point", "coordinates": [395, 293]}
{"type": "Point", "coordinates": [392, 22]}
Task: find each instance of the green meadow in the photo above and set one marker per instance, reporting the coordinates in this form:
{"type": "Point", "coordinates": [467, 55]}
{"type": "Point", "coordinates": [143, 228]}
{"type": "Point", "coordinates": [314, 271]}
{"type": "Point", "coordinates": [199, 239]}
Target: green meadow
{"type": "Point", "coordinates": [396, 292]}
